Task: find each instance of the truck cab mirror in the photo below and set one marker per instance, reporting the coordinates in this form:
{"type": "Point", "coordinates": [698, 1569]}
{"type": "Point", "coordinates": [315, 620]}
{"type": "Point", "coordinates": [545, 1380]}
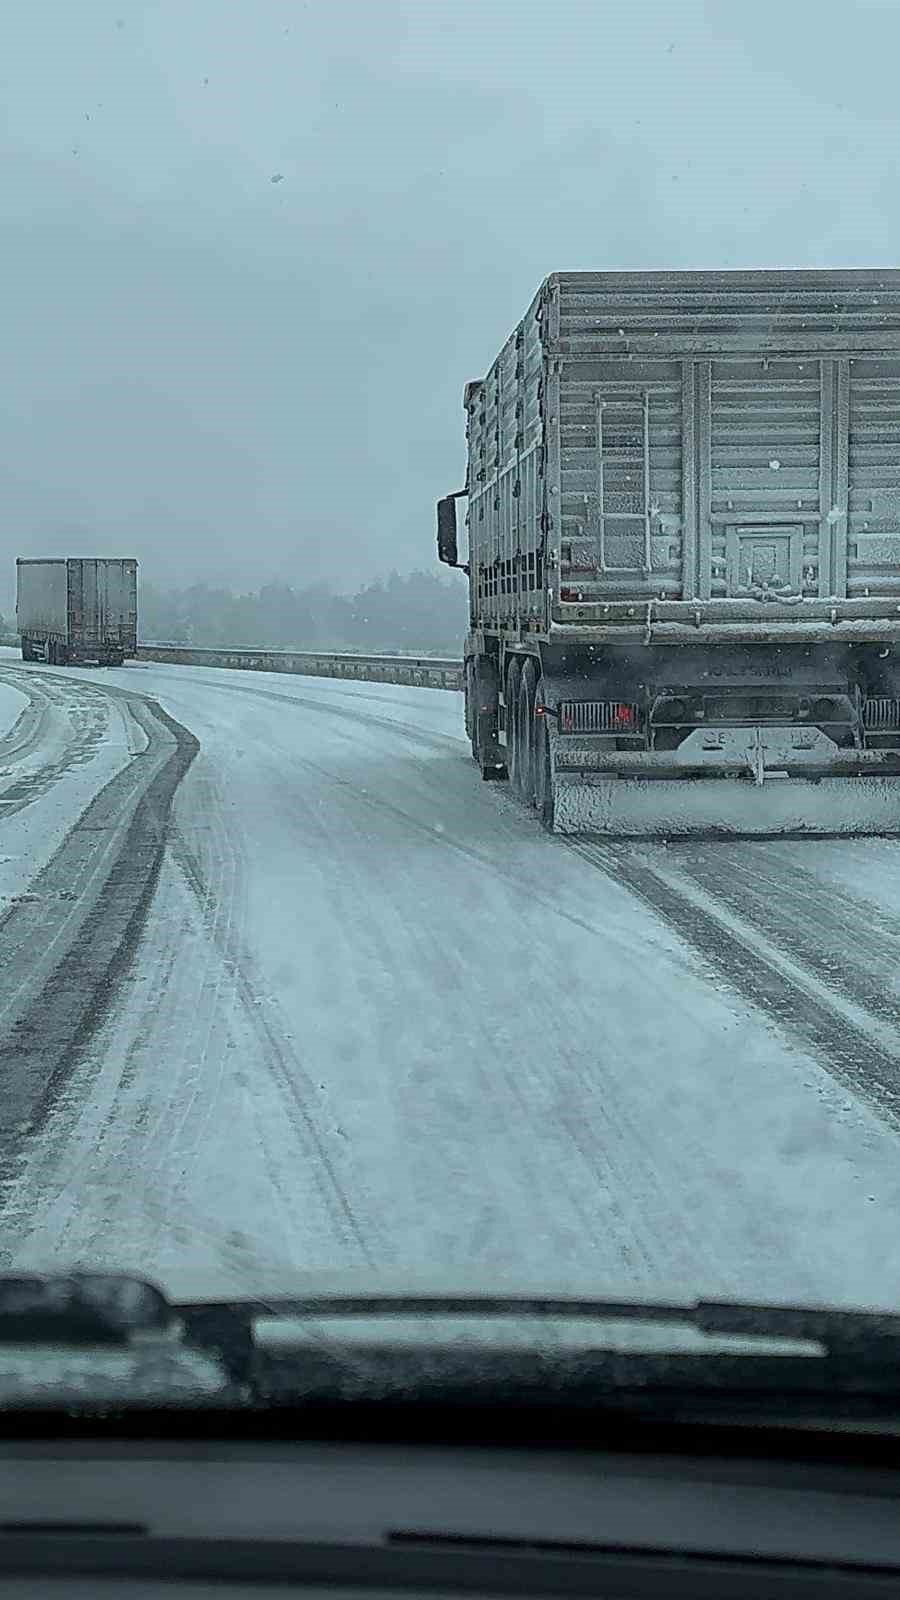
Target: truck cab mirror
{"type": "Point", "coordinates": [446, 530]}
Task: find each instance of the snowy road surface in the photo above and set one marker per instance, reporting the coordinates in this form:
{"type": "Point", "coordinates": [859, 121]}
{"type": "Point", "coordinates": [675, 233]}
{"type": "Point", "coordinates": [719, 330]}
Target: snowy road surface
{"type": "Point", "coordinates": [60, 742]}
{"type": "Point", "coordinates": [376, 1016]}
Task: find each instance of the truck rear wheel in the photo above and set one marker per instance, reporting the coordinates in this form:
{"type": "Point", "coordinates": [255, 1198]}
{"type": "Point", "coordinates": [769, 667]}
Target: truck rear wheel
{"type": "Point", "coordinates": [485, 718]}
{"type": "Point", "coordinates": [28, 650]}
{"type": "Point", "coordinates": [543, 768]}
{"type": "Point", "coordinates": [470, 712]}
{"type": "Point", "coordinates": [525, 736]}
{"type": "Point", "coordinates": [511, 721]}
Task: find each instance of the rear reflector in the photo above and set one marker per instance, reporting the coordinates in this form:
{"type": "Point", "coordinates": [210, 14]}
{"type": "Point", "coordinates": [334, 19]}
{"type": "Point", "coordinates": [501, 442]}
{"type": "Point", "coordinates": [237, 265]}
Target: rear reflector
{"type": "Point", "coordinates": [882, 714]}
{"type": "Point", "coordinates": [597, 716]}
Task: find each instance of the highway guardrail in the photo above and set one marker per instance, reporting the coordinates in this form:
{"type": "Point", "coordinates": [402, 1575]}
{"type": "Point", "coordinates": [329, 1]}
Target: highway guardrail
{"type": "Point", "coordinates": [428, 672]}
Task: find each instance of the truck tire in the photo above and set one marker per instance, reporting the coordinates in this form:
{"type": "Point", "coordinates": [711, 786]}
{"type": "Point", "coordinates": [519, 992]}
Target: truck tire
{"type": "Point", "coordinates": [511, 721]}
{"type": "Point", "coordinates": [28, 650]}
{"type": "Point", "coordinates": [469, 703]}
{"type": "Point", "coordinates": [543, 770]}
{"type": "Point", "coordinates": [485, 719]}
{"type": "Point", "coordinates": [525, 736]}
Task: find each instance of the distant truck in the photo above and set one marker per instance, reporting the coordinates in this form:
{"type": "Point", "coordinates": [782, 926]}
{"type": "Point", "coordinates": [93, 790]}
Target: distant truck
{"type": "Point", "coordinates": [77, 609]}
{"type": "Point", "coordinates": [684, 553]}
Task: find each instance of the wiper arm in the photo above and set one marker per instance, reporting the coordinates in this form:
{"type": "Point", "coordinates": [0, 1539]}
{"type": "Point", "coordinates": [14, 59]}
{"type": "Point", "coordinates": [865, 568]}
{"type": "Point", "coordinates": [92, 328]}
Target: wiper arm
{"type": "Point", "coordinates": [95, 1337]}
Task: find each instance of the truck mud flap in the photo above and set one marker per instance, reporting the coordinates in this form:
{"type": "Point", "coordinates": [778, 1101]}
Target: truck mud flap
{"type": "Point", "coordinates": [726, 807]}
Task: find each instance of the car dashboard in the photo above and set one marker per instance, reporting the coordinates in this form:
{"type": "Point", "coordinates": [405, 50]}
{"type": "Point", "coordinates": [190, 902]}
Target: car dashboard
{"type": "Point", "coordinates": [150, 1518]}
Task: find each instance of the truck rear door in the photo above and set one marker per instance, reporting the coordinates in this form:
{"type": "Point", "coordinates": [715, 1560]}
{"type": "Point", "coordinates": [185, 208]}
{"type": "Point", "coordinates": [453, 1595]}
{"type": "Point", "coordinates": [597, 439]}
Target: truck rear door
{"type": "Point", "coordinates": [762, 475]}
{"type": "Point", "coordinates": [102, 606]}
{"type": "Point", "coordinates": [722, 439]}
{"type": "Point", "coordinates": [733, 478]}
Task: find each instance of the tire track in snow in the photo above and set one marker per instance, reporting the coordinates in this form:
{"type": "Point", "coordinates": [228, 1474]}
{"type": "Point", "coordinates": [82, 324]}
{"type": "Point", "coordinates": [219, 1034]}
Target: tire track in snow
{"type": "Point", "coordinates": [862, 1054]}
{"type": "Point", "coordinates": [277, 1052]}
{"type": "Point", "coordinates": [127, 1153]}
{"type": "Point", "coordinates": [532, 887]}
{"type": "Point", "coordinates": [194, 1075]}
{"type": "Point", "coordinates": [608, 1179]}
{"type": "Point", "coordinates": [341, 713]}
{"type": "Point", "coordinates": [368, 900]}
{"type": "Point", "coordinates": [833, 935]}
{"type": "Point", "coordinates": [765, 957]}
{"type": "Point", "coordinates": [62, 962]}
{"type": "Point", "coordinates": [81, 720]}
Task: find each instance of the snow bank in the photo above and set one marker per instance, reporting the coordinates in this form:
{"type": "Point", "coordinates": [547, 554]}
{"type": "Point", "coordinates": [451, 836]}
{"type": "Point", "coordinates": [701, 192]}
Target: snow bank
{"type": "Point", "coordinates": [12, 704]}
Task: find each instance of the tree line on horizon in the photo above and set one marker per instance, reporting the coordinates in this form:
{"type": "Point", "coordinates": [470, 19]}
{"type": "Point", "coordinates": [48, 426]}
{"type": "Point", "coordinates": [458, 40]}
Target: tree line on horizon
{"type": "Point", "coordinates": [418, 612]}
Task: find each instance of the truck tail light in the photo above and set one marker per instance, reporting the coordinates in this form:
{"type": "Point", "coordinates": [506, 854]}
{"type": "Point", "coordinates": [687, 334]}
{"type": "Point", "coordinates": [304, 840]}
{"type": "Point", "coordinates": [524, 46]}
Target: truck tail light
{"type": "Point", "coordinates": [598, 716]}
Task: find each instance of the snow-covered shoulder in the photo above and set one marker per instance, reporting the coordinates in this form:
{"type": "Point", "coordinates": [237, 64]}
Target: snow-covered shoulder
{"type": "Point", "coordinates": [12, 703]}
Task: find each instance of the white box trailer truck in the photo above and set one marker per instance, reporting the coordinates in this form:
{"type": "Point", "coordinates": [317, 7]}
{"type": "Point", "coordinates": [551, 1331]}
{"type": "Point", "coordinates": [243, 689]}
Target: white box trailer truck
{"type": "Point", "coordinates": [684, 553]}
{"type": "Point", "coordinates": [77, 609]}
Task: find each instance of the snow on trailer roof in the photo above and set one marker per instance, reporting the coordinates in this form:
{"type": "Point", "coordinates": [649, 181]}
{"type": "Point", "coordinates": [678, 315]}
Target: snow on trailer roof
{"type": "Point", "coordinates": [585, 313]}
{"type": "Point", "coordinates": [857, 278]}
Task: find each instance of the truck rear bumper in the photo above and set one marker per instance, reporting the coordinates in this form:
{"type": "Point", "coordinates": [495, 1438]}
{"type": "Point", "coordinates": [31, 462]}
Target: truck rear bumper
{"type": "Point", "coordinates": [655, 766]}
{"type": "Point", "coordinates": [710, 751]}
{"type": "Point", "coordinates": [757, 781]}
{"type": "Point", "coordinates": [90, 653]}
{"type": "Point", "coordinates": [726, 807]}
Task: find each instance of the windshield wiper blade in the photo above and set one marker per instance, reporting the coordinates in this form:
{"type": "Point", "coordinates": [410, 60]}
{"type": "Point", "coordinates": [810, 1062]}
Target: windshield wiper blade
{"type": "Point", "coordinates": [707, 1357]}
{"type": "Point", "coordinates": [111, 1306]}
{"type": "Point", "coordinates": [869, 1336]}
{"type": "Point", "coordinates": [813, 1345]}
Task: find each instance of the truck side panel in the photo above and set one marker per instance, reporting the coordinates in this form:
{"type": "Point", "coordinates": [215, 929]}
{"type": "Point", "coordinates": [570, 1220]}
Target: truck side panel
{"type": "Point", "coordinates": [507, 481]}
{"type": "Point", "coordinates": [41, 598]}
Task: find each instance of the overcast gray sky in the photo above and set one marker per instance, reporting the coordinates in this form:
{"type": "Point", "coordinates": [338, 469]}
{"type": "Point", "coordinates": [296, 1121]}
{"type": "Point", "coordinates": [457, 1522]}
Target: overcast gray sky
{"type": "Point", "coordinates": [223, 374]}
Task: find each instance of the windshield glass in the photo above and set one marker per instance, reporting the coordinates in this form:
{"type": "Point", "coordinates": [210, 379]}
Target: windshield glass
{"type": "Point", "coordinates": [499, 895]}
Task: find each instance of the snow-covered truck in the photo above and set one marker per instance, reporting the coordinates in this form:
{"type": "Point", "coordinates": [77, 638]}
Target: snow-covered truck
{"type": "Point", "coordinates": [77, 609]}
{"type": "Point", "coordinates": [684, 553]}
